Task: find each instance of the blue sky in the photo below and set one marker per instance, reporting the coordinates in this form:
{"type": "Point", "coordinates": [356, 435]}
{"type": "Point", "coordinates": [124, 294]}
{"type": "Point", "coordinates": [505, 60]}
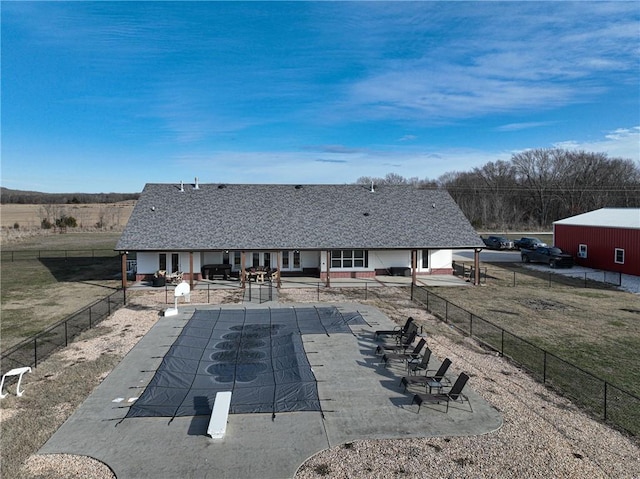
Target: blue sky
{"type": "Point", "coordinates": [108, 96]}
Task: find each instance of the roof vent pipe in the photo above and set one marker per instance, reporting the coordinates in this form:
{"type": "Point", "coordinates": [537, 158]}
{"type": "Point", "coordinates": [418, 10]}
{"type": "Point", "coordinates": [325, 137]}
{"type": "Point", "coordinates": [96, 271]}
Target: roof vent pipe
{"type": "Point", "coordinates": [181, 186]}
{"type": "Point", "coordinates": [373, 190]}
{"type": "Point", "coordinates": [197, 185]}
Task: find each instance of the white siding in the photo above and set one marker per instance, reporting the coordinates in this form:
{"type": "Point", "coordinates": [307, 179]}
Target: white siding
{"type": "Point", "coordinates": [148, 262]}
{"type": "Point", "coordinates": [440, 258]}
{"type": "Point", "coordinates": [387, 259]}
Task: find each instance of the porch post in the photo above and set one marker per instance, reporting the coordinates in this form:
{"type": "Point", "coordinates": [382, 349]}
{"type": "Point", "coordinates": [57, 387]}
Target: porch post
{"type": "Point", "coordinates": [414, 265]}
{"type": "Point", "coordinates": [279, 266]}
{"type": "Point", "coordinates": [190, 270]}
{"type": "Point", "coordinates": [328, 283]}
{"type": "Point", "coordinates": [123, 266]}
{"type": "Point", "coordinates": [476, 265]}
{"type": "Point", "coordinates": [242, 270]}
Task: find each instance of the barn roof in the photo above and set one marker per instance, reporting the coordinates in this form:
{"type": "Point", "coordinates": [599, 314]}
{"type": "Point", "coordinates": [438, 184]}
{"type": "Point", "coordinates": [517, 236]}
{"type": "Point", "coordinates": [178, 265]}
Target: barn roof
{"type": "Point", "coordinates": [269, 216]}
{"type": "Point", "coordinates": [606, 217]}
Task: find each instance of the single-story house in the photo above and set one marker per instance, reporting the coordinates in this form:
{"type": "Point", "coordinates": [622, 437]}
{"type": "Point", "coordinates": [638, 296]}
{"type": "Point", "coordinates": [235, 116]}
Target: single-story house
{"type": "Point", "coordinates": [326, 231]}
{"type": "Point", "coordinates": [607, 239]}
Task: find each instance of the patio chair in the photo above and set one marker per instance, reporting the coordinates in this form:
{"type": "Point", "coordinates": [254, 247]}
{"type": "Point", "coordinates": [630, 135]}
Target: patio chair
{"type": "Point", "coordinates": [453, 395]}
{"type": "Point", "coordinates": [416, 364]}
{"type": "Point", "coordinates": [272, 274]}
{"type": "Point", "coordinates": [415, 354]}
{"type": "Point", "coordinates": [398, 348]}
{"type": "Point", "coordinates": [389, 343]}
{"type": "Point", "coordinates": [397, 331]}
{"type": "Point", "coordinates": [436, 381]}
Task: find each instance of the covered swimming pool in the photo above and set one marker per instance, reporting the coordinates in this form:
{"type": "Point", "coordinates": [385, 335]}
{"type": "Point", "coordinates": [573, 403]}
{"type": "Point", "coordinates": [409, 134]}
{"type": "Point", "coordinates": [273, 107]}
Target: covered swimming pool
{"type": "Point", "coordinates": [257, 354]}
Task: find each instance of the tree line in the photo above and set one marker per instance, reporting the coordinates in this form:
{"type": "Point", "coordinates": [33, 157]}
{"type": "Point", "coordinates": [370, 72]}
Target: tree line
{"type": "Point", "coordinates": [9, 196]}
{"type": "Point", "coordinates": [535, 188]}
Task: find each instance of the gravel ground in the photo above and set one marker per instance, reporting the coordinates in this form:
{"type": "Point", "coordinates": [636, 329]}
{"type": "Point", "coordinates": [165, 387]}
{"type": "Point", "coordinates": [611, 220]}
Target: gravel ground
{"type": "Point", "coordinates": [543, 434]}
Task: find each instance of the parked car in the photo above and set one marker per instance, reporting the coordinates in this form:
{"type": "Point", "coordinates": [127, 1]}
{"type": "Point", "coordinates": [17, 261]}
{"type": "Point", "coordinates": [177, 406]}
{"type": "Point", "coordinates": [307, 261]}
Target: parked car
{"type": "Point", "coordinates": [528, 242]}
{"type": "Point", "coordinates": [498, 242]}
{"type": "Point", "coordinates": [554, 257]}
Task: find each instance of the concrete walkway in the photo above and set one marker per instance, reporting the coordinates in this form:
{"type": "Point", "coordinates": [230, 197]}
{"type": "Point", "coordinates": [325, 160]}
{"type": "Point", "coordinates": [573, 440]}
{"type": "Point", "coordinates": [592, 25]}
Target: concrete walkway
{"type": "Point", "coordinates": [360, 399]}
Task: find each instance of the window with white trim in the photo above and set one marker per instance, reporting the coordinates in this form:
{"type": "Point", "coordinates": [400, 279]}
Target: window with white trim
{"type": "Point", "coordinates": [425, 259]}
{"type": "Point", "coordinates": [349, 258]}
{"type": "Point", "coordinates": [582, 251]}
{"type": "Point", "coordinates": [619, 256]}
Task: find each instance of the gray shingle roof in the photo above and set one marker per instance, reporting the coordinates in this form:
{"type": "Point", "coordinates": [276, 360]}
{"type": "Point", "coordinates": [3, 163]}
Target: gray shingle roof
{"type": "Point", "coordinates": [272, 217]}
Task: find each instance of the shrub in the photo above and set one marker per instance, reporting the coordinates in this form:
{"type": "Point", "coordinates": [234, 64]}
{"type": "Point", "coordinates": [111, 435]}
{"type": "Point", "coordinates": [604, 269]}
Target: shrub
{"type": "Point", "coordinates": [46, 224]}
{"type": "Point", "coordinates": [66, 222]}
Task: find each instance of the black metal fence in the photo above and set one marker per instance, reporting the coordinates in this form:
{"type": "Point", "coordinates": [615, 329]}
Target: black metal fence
{"type": "Point", "coordinates": [508, 277]}
{"type": "Point", "coordinates": [607, 401]}
{"type": "Point", "coordinates": [261, 292]}
{"type": "Point", "coordinates": [30, 254]}
{"type": "Point", "coordinates": [35, 349]}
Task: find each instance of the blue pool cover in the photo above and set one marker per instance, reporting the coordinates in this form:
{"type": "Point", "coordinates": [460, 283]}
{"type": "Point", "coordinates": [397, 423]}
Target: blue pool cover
{"type": "Point", "coordinates": [255, 353]}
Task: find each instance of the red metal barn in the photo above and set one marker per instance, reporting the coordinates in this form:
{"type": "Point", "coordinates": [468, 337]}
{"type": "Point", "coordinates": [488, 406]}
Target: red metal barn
{"type": "Point", "coordinates": [607, 239]}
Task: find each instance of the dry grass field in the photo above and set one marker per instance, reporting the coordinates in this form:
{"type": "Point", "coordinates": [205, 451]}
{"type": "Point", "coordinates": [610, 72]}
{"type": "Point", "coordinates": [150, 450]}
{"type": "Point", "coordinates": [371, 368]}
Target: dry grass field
{"type": "Point", "coordinates": [112, 215]}
{"type": "Point", "coordinates": [596, 327]}
{"type": "Point", "coordinates": [38, 292]}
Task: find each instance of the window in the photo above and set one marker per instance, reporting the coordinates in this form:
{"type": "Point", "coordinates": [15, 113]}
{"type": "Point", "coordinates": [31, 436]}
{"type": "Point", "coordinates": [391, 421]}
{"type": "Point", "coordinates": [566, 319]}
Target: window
{"type": "Point", "coordinates": [162, 262]}
{"type": "Point", "coordinates": [425, 259]}
{"type": "Point", "coordinates": [582, 251]}
{"type": "Point", "coordinates": [256, 260]}
{"type": "Point", "coordinates": [237, 258]}
{"type": "Point", "coordinates": [349, 258]}
{"type": "Point", "coordinates": [175, 263]}
{"type": "Point", "coordinates": [291, 259]}
{"type": "Point", "coordinates": [267, 260]}
{"type": "Point", "coordinates": [619, 256]}
{"type": "Point", "coordinates": [225, 257]}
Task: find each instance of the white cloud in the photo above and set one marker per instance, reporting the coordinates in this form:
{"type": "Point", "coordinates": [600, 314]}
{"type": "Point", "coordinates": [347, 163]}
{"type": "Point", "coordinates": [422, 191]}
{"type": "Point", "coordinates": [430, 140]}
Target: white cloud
{"type": "Point", "coordinates": [619, 143]}
{"type": "Point", "coordinates": [523, 125]}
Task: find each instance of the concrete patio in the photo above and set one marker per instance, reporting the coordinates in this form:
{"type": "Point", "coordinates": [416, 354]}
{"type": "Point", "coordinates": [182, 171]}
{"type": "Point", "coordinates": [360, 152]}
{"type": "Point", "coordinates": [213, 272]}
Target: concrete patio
{"type": "Point", "coordinates": [360, 399]}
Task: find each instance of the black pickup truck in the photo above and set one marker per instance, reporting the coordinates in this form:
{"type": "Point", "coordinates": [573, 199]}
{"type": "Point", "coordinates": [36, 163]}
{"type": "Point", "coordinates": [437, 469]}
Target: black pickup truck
{"type": "Point", "coordinates": [552, 256]}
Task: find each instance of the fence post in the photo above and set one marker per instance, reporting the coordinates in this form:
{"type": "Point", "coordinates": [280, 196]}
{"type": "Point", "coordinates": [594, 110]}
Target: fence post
{"type": "Point", "coordinates": [544, 367]}
{"type": "Point", "coordinates": [411, 290]}
{"type": "Point", "coordinates": [605, 400]}
{"type": "Point", "coordinates": [109, 305]}
{"type": "Point", "coordinates": [502, 342]}
{"type": "Point", "coordinates": [366, 291]}
{"type": "Point", "coordinates": [35, 352]}
{"type": "Point", "coordinates": [585, 279]}
{"type": "Point", "coordinates": [208, 292]}
{"type": "Point", "coordinates": [514, 279]}
{"type": "Point", "coordinates": [446, 311]}
{"type": "Point", "coordinates": [318, 287]}
{"type": "Point", "coordinates": [471, 324]}
{"type": "Point", "coordinates": [89, 317]}
{"type": "Point", "coordinates": [66, 341]}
